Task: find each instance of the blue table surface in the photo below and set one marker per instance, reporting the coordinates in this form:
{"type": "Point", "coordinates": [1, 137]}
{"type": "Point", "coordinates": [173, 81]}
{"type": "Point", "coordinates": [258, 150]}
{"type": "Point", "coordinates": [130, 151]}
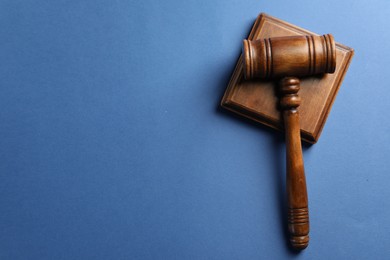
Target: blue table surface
{"type": "Point", "coordinates": [112, 145]}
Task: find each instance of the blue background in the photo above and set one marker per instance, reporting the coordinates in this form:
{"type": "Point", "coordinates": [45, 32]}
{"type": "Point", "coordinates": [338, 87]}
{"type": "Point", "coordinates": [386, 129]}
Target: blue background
{"type": "Point", "coordinates": [112, 145]}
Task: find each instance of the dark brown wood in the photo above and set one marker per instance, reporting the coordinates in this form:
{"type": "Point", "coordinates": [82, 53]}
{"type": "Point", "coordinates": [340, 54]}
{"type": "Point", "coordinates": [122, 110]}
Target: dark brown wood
{"type": "Point", "coordinates": [298, 213]}
{"type": "Point", "coordinates": [257, 99]}
{"type": "Point", "coordinates": [305, 55]}
{"type": "Point", "coordinates": [291, 56]}
{"type": "Point", "coordinates": [277, 49]}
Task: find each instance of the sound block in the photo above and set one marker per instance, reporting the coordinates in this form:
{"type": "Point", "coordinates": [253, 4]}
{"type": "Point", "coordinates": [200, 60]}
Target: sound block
{"type": "Point", "coordinates": [258, 100]}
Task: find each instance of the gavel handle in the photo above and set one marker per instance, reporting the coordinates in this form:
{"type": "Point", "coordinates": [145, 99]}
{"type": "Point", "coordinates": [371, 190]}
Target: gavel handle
{"type": "Point", "coordinates": [298, 213]}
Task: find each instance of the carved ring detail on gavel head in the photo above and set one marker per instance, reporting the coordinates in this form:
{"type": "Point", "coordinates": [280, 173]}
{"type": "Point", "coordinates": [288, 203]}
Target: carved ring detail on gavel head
{"type": "Point", "coordinates": [289, 56]}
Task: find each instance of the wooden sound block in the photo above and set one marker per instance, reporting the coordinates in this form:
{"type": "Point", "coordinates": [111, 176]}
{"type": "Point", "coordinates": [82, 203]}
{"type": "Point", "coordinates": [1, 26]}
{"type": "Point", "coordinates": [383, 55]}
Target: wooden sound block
{"type": "Point", "coordinates": [258, 100]}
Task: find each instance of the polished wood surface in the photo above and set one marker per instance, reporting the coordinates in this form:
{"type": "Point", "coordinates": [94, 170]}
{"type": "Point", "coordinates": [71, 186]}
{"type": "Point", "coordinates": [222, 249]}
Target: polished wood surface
{"type": "Point", "coordinates": [285, 57]}
{"type": "Point", "coordinates": [298, 213]}
{"type": "Point", "coordinates": [305, 55]}
{"type": "Point", "coordinates": [257, 99]}
{"type": "Point", "coordinates": [278, 51]}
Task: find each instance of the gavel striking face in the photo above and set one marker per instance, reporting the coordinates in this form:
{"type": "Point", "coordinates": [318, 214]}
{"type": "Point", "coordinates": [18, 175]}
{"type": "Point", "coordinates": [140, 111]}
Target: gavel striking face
{"type": "Point", "coordinates": [286, 58]}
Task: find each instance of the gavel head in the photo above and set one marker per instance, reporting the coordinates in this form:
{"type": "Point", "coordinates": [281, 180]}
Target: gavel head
{"type": "Point", "coordinates": [289, 56]}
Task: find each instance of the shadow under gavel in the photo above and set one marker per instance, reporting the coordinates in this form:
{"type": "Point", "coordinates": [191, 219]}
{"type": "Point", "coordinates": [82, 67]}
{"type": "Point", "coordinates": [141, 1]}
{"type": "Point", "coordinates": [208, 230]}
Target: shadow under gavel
{"type": "Point", "coordinates": [286, 58]}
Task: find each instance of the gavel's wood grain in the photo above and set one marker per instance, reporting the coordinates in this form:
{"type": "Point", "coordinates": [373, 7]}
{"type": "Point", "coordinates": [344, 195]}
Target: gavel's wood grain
{"type": "Point", "coordinates": [298, 212]}
{"type": "Point", "coordinates": [257, 99]}
{"type": "Point", "coordinates": [300, 55]}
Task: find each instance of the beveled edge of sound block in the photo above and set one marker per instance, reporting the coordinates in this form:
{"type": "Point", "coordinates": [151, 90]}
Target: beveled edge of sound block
{"type": "Point", "coordinates": [229, 104]}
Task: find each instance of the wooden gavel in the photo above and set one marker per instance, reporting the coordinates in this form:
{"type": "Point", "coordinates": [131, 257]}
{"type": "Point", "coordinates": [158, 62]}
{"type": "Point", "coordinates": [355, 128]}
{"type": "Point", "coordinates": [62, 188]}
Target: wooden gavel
{"type": "Point", "coordinates": [285, 58]}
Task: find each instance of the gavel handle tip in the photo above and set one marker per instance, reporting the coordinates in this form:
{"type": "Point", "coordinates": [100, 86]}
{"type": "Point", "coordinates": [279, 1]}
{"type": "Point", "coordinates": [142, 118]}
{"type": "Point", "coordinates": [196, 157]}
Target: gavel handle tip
{"type": "Point", "coordinates": [299, 242]}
